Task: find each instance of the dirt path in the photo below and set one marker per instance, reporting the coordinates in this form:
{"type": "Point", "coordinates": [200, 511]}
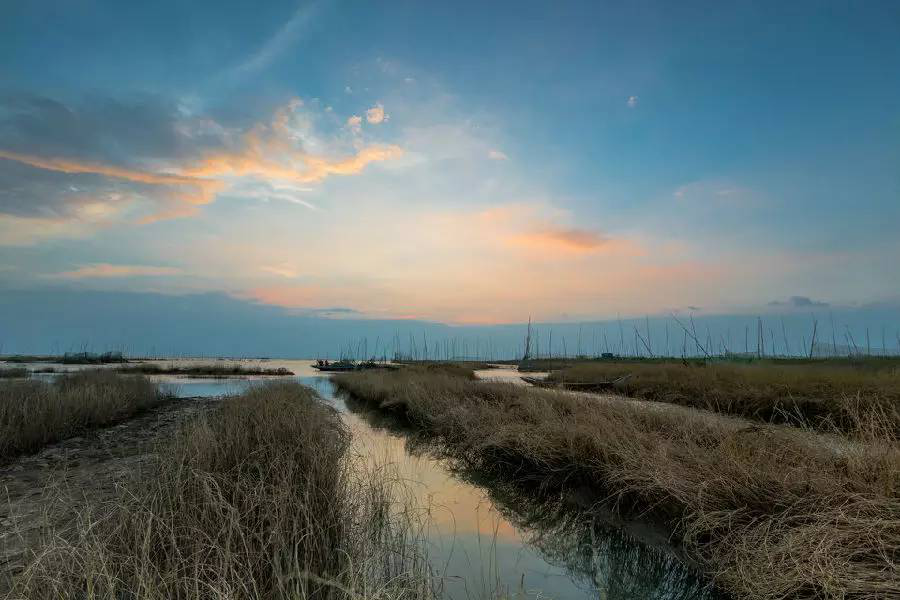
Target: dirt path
{"type": "Point", "coordinates": [51, 486]}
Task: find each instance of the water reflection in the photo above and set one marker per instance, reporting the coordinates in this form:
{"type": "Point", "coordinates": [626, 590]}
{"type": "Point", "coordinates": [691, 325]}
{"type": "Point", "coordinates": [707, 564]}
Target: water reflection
{"type": "Point", "coordinates": [601, 555]}
{"type": "Point", "coordinates": [584, 554]}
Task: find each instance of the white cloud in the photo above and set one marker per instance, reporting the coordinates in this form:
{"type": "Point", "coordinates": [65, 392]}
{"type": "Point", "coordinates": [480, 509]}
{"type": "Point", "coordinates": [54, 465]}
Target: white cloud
{"type": "Point", "coordinates": [354, 123]}
{"type": "Point", "coordinates": [497, 155]}
{"type": "Point", "coordinates": [632, 101]}
{"type": "Point", "coordinates": [376, 114]}
{"type": "Point", "coordinates": [282, 270]}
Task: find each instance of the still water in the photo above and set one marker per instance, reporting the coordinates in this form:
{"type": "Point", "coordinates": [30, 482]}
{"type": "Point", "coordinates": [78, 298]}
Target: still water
{"type": "Point", "coordinates": [486, 537]}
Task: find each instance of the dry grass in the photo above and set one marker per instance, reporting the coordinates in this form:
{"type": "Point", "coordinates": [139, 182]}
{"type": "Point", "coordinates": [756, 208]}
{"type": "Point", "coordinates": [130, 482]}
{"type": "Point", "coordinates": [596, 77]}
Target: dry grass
{"type": "Point", "coordinates": [212, 370]}
{"type": "Point", "coordinates": [449, 365]}
{"type": "Point", "coordinates": [771, 512]}
{"type": "Point", "coordinates": [254, 501]}
{"type": "Point", "coordinates": [13, 373]}
{"type": "Point", "coordinates": [456, 369]}
{"type": "Point", "coordinates": [36, 413]}
{"type": "Point", "coordinates": [823, 395]}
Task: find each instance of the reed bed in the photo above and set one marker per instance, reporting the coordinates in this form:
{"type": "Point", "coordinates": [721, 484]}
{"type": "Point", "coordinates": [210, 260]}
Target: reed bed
{"type": "Point", "coordinates": [36, 413]}
{"type": "Point", "coordinates": [211, 370]}
{"type": "Point", "coordinates": [14, 373]}
{"type": "Point", "coordinates": [770, 512]}
{"type": "Point", "coordinates": [821, 394]}
{"type": "Point", "coordinates": [255, 500]}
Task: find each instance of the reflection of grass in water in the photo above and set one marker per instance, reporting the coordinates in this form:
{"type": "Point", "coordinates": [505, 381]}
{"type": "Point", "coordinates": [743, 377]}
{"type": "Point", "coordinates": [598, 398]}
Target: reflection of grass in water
{"type": "Point", "coordinates": [595, 552]}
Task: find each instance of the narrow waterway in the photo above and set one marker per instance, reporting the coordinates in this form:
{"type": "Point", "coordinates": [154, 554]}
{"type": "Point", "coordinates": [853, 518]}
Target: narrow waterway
{"type": "Point", "coordinates": [486, 537]}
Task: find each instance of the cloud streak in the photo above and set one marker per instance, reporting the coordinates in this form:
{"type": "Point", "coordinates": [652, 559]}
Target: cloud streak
{"type": "Point", "coordinates": [286, 36]}
{"type": "Point", "coordinates": [571, 240]}
{"type": "Point", "coordinates": [187, 192]}
{"type": "Point", "coordinates": [107, 270]}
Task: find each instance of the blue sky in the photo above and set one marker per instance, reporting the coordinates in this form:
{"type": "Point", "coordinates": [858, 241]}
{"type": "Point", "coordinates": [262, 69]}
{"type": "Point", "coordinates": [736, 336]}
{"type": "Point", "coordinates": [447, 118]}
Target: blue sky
{"type": "Point", "coordinates": [464, 163]}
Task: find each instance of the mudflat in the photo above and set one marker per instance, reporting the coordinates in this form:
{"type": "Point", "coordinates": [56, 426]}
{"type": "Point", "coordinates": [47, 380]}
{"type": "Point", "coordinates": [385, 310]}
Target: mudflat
{"type": "Point", "coordinates": [49, 488]}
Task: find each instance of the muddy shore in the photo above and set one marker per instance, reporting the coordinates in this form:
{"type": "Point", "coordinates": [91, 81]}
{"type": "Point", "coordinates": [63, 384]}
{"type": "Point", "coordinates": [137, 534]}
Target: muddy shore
{"type": "Point", "coordinates": [50, 487]}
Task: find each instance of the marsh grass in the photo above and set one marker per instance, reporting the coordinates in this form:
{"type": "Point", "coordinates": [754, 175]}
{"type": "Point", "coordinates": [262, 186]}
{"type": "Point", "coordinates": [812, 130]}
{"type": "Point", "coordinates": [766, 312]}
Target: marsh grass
{"type": "Point", "coordinates": [210, 370]}
{"type": "Point", "coordinates": [36, 413]}
{"type": "Point", "coordinates": [14, 373]}
{"type": "Point", "coordinates": [255, 500]}
{"type": "Point", "coordinates": [455, 369]}
{"type": "Point", "coordinates": [461, 367]}
{"type": "Point", "coordinates": [824, 395]}
{"type": "Point", "coordinates": [770, 512]}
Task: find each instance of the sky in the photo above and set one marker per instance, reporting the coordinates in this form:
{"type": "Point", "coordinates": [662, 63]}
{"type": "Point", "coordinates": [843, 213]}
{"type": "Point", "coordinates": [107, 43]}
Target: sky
{"type": "Point", "coordinates": [466, 163]}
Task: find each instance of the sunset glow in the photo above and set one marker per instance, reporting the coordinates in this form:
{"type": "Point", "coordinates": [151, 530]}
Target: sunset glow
{"type": "Point", "coordinates": [311, 167]}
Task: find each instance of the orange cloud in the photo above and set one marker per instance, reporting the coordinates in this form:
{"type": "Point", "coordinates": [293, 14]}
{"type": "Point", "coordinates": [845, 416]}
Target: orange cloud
{"type": "Point", "coordinates": [314, 168]}
{"type": "Point", "coordinates": [267, 151]}
{"type": "Point", "coordinates": [573, 240]}
{"type": "Point", "coordinates": [188, 192]}
{"type": "Point", "coordinates": [106, 270]}
{"type": "Point", "coordinates": [64, 165]}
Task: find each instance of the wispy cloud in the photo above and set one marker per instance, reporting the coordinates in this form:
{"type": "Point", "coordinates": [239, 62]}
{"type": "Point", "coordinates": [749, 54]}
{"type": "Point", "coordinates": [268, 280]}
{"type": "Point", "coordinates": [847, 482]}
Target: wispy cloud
{"type": "Point", "coordinates": [269, 152]}
{"type": "Point", "coordinates": [272, 152]}
{"type": "Point", "coordinates": [286, 36]}
{"type": "Point", "coordinates": [285, 270]}
{"type": "Point", "coordinates": [186, 192]}
{"type": "Point", "coordinates": [107, 270]}
{"type": "Point", "coordinates": [572, 240]}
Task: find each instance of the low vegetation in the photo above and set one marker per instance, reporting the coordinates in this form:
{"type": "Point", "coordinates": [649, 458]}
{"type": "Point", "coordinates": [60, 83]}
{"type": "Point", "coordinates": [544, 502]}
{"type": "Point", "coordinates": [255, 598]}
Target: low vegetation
{"type": "Point", "coordinates": [13, 373]}
{"type": "Point", "coordinates": [826, 395]}
{"type": "Point", "coordinates": [256, 500]}
{"type": "Point", "coordinates": [468, 365]}
{"type": "Point", "coordinates": [456, 369]}
{"type": "Point", "coordinates": [36, 413]}
{"type": "Point", "coordinates": [769, 511]}
{"type": "Point", "coordinates": [70, 358]}
{"type": "Point", "coordinates": [210, 370]}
